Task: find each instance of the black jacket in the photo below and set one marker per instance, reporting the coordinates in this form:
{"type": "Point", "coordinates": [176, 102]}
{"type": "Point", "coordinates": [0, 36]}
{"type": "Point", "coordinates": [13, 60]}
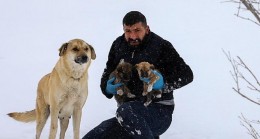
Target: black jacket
{"type": "Point", "coordinates": [155, 50]}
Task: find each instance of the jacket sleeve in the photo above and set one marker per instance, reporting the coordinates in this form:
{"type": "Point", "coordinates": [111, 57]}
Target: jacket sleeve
{"type": "Point", "coordinates": [175, 71]}
{"type": "Point", "coordinates": [110, 67]}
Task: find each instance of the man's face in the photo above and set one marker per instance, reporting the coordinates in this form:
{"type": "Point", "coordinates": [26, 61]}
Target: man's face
{"type": "Point", "coordinates": [135, 34]}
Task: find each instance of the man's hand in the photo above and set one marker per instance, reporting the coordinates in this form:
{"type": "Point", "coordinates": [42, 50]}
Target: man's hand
{"type": "Point", "coordinates": [111, 88]}
{"type": "Point", "coordinates": [158, 85]}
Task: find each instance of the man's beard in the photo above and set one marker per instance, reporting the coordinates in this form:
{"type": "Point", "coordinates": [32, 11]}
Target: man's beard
{"type": "Point", "coordinates": [134, 42]}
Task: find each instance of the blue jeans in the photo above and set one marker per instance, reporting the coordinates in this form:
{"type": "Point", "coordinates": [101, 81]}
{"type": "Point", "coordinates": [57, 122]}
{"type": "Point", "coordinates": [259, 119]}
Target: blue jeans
{"type": "Point", "coordinates": [134, 121]}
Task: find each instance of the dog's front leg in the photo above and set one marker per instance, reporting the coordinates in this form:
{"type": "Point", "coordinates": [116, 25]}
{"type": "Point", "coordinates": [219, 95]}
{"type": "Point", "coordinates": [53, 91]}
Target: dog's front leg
{"type": "Point", "coordinates": [64, 122]}
{"type": "Point", "coordinates": [128, 92]}
{"type": "Point", "coordinates": [145, 89]}
{"type": "Point", "coordinates": [76, 121]}
{"type": "Point", "coordinates": [119, 90]}
{"type": "Point", "coordinates": [152, 82]}
{"type": "Point", "coordinates": [149, 99]}
{"type": "Point", "coordinates": [54, 121]}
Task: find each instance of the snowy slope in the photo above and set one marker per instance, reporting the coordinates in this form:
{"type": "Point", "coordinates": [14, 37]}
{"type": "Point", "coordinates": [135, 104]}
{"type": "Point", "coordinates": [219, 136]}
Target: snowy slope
{"type": "Point", "coordinates": [31, 33]}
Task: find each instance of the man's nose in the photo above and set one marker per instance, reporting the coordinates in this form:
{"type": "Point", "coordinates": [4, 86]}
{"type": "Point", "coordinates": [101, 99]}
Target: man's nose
{"type": "Point", "coordinates": [133, 35]}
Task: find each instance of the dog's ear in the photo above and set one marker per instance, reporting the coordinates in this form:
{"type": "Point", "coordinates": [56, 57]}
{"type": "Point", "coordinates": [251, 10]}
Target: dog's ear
{"type": "Point", "coordinates": [93, 53]}
{"type": "Point", "coordinates": [136, 66]}
{"type": "Point", "coordinates": [152, 66]}
{"type": "Point", "coordinates": [63, 49]}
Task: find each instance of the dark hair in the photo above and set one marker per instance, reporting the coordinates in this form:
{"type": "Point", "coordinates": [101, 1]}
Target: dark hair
{"type": "Point", "coordinates": [134, 17]}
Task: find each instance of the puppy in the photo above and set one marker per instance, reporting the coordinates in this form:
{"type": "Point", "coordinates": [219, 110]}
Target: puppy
{"type": "Point", "coordinates": [122, 74]}
{"type": "Point", "coordinates": [63, 92]}
{"type": "Point", "coordinates": [146, 70]}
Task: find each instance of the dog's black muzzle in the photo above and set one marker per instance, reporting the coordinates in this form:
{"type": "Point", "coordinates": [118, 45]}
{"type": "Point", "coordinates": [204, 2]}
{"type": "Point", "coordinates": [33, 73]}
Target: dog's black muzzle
{"type": "Point", "coordinates": [144, 74]}
{"type": "Point", "coordinates": [81, 59]}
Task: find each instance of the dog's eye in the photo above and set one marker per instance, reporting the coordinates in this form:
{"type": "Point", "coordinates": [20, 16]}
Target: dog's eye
{"type": "Point", "coordinates": [86, 49]}
{"type": "Point", "coordinates": [75, 49]}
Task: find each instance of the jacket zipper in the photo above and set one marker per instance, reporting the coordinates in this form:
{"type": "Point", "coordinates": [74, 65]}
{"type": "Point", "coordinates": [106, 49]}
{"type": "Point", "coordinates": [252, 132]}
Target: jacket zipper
{"type": "Point", "coordinates": [133, 53]}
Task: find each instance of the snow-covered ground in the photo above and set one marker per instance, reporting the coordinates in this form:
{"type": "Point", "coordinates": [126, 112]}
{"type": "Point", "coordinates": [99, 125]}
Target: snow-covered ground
{"type": "Point", "coordinates": [31, 33]}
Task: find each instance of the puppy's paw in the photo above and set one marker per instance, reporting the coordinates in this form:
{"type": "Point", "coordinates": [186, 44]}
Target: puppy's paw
{"type": "Point", "coordinates": [129, 95]}
{"type": "Point", "coordinates": [120, 92]}
{"type": "Point", "coordinates": [147, 103]}
{"type": "Point", "coordinates": [158, 96]}
{"type": "Point", "coordinates": [150, 88]}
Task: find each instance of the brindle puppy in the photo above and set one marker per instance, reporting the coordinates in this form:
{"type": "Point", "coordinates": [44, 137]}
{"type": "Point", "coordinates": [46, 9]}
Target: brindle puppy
{"type": "Point", "coordinates": [147, 71]}
{"type": "Point", "coordinates": [122, 73]}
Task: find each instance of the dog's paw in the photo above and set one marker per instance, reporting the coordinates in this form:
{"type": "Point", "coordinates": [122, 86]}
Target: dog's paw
{"type": "Point", "coordinates": [120, 92]}
{"type": "Point", "coordinates": [144, 93]}
{"type": "Point", "coordinates": [150, 88]}
{"type": "Point", "coordinates": [158, 96]}
{"type": "Point", "coordinates": [130, 95]}
{"type": "Point", "coordinates": [147, 103]}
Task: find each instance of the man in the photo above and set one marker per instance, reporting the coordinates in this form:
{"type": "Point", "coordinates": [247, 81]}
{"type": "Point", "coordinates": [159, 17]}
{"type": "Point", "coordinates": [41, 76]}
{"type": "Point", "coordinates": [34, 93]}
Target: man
{"type": "Point", "coordinates": [134, 120]}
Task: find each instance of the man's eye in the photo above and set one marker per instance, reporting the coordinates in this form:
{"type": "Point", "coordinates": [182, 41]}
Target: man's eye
{"type": "Point", "coordinates": [137, 30]}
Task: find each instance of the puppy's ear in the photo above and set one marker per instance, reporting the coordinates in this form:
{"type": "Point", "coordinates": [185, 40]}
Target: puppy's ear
{"type": "Point", "coordinates": [63, 49]}
{"type": "Point", "coordinates": [152, 67]}
{"type": "Point", "coordinates": [93, 53]}
{"type": "Point", "coordinates": [136, 66]}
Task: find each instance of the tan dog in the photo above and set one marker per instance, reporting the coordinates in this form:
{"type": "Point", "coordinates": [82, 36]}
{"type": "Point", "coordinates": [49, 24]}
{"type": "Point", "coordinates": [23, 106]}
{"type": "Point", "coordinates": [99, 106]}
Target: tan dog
{"type": "Point", "coordinates": [122, 74]}
{"type": "Point", "coordinates": [146, 70]}
{"type": "Point", "coordinates": [63, 92]}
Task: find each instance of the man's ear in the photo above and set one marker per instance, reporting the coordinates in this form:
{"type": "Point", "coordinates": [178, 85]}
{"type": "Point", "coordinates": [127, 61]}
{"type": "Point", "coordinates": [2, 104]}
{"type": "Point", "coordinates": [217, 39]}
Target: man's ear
{"type": "Point", "coordinates": [147, 29]}
{"type": "Point", "coordinates": [63, 49]}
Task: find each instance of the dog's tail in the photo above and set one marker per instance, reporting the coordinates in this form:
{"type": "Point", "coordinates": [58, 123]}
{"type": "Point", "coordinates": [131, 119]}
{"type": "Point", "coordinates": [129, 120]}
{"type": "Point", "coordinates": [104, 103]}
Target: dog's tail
{"type": "Point", "coordinates": [28, 116]}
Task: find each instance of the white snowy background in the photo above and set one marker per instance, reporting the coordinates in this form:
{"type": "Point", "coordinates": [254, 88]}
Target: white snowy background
{"type": "Point", "coordinates": [31, 32]}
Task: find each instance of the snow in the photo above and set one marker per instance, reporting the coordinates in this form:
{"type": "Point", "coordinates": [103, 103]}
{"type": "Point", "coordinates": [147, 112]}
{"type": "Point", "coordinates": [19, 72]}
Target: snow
{"type": "Point", "coordinates": [31, 33]}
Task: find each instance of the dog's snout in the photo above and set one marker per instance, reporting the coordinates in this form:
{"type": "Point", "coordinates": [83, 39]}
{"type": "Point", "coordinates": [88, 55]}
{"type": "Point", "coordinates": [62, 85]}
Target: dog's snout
{"type": "Point", "coordinates": [81, 59]}
{"type": "Point", "coordinates": [127, 76]}
{"type": "Point", "coordinates": [144, 73]}
{"type": "Point", "coordinates": [84, 58]}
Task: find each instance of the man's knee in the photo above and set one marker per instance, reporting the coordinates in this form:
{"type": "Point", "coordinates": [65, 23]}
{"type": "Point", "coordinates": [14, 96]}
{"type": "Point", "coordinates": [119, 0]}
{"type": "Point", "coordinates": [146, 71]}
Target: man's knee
{"type": "Point", "coordinates": [130, 107]}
